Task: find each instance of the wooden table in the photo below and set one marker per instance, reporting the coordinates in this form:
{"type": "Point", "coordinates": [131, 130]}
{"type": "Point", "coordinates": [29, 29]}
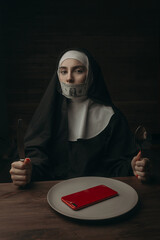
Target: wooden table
{"type": "Point", "coordinates": [26, 215]}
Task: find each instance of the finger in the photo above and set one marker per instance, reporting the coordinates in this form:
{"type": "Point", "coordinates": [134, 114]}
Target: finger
{"type": "Point", "coordinates": [138, 157]}
{"type": "Point", "coordinates": [20, 183]}
{"type": "Point", "coordinates": [20, 177]}
{"type": "Point", "coordinates": [142, 178]}
{"type": "Point", "coordinates": [18, 165]}
{"type": "Point", "coordinates": [28, 163]}
{"type": "Point", "coordinates": [143, 162]}
{"type": "Point", "coordinates": [16, 171]}
{"type": "Point", "coordinates": [141, 174]}
{"type": "Point", "coordinates": [27, 160]}
{"type": "Point", "coordinates": [139, 168]}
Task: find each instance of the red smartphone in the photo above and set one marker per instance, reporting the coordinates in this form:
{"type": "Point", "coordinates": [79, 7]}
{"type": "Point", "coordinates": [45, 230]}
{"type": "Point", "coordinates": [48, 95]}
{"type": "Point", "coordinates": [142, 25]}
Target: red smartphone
{"type": "Point", "coordinates": [88, 197]}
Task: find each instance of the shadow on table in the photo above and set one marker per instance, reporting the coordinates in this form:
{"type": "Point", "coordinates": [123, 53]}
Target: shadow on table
{"type": "Point", "coordinates": [116, 220]}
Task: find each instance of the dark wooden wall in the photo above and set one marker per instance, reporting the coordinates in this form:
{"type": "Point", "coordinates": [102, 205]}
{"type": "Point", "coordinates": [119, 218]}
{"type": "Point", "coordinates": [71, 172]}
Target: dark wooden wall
{"type": "Point", "coordinates": [123, 37]}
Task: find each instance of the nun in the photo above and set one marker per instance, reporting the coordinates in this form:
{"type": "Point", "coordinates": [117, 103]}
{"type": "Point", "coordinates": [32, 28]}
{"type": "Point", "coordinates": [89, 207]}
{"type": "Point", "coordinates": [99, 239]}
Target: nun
{"type": "Point", "coordinates": [77, 130]}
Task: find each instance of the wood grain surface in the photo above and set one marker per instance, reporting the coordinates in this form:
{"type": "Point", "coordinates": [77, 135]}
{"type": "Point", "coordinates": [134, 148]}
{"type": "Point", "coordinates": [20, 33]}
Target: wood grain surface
{"type": "Point", "coordinates": [25, 214]}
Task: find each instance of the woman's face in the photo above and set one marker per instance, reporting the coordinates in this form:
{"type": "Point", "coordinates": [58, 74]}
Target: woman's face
{"type": "Point", "coordinates": [72, 71]}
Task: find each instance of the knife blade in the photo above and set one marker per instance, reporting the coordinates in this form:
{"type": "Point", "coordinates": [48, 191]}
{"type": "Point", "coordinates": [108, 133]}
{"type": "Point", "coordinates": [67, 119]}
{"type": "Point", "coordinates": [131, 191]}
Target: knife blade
{"type": "Point", "coordinates": [20, 140]}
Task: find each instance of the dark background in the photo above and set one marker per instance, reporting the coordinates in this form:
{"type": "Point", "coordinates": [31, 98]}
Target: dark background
{"type": "Point", "coordinates": [122, 35]}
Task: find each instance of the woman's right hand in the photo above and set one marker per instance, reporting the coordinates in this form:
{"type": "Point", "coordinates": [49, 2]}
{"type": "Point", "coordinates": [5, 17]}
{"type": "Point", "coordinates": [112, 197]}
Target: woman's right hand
{"type": "Point", "coordinates": [21, 172]}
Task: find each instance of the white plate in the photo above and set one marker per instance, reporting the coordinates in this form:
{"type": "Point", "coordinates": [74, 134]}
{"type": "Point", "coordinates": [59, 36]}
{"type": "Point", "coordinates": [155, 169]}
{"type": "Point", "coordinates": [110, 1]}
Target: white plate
{"type": "Point", "coordinates": [110, 208]}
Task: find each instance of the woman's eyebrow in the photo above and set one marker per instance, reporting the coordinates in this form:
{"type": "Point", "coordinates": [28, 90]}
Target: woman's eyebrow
{"type": "Point", "coordinates": [78, 66]}
{"type": "Point", "coordinates": [62, 67]}
{"type": "Point", "coordinates": [74, 67]}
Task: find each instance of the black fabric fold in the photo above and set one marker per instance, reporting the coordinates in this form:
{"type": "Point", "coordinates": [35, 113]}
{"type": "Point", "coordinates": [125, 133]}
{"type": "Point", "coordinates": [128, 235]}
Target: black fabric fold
{"type": "Point", "coordinates": [46, 139]}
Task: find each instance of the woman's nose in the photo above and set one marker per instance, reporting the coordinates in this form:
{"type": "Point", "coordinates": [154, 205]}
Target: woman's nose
{"type": "Point", "coordinates": [69, 78]}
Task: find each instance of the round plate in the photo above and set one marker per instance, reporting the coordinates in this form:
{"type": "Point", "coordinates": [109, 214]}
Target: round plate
{"type": "Point", "coordinates": [110, 208]}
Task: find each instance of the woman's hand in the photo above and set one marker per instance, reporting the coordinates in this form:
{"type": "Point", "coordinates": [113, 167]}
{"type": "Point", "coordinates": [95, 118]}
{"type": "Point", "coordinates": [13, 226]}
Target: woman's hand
{"type": "Point", "coordinates": [141, 167]}
{"type": "Point", "coordinates": [21, 172]}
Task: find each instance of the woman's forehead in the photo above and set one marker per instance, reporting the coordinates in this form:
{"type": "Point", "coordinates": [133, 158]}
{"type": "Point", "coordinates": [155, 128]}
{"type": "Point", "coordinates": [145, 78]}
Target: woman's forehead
{"type": "Point", "coordinates": [71, 62]}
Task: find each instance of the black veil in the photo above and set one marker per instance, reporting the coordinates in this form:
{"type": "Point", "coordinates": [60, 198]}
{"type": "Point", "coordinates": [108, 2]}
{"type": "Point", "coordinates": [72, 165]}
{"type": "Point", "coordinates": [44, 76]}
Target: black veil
{"type": "Point", "coordinates": [50, 104]}
{"type": "Point", "coordinates": [49, 121]}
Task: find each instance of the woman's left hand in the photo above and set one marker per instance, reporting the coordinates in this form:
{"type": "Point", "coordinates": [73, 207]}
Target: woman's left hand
{"type": "Point", "coordinates": [141, 167]}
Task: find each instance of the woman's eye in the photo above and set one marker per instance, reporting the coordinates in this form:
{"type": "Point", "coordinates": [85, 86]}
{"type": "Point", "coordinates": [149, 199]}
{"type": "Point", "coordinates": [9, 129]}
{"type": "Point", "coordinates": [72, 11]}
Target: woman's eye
{"type": "Point", "coordinates": [63, 72]}
{"type": "Point", "coordinates": [79, 70]}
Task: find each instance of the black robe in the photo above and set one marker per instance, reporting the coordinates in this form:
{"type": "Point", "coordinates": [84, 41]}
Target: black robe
{"type": "Point", "coordinates": [108, 154]}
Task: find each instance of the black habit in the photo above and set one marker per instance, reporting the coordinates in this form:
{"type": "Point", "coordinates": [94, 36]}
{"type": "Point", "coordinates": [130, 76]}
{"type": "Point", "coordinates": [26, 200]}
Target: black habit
{"type": "Point", "coordinates": [108, 154]}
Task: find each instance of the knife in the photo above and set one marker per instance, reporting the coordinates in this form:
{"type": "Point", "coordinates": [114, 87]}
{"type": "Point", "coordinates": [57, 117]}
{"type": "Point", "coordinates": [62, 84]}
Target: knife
{"type": "Point", "coordinates": [20, 140]}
